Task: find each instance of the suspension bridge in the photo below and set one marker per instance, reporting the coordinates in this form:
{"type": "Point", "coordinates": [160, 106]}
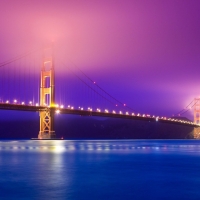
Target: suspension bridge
{"type": "Point", "coordinates": [23, 89]}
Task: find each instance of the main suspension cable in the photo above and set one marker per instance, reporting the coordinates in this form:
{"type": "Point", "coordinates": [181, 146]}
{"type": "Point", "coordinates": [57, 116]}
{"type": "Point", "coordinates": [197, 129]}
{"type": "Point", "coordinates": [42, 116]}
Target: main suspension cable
{"type": "Point", "coordinates": [88, 85]}
{"type": "Point", "coordinates": [18, 57]}
{"type": "Point", "coordinates": [101, 88]}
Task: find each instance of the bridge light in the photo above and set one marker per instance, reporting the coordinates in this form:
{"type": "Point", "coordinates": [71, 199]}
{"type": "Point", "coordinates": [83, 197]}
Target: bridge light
{"type": "Point", "coordinates": [143, 115]}
{"type": "Point", "coordinates": [30, 102]}
{"type": "Point", "coordinates": [57, 111]}
{"type": "Point", "coordinates": [7, 101]}
{"type": "Point", "coordinates": [127, 113]}
{"type": "Point", "coordinates": [156, 118]}
{"type": "Point", "coordinates": [81, 108]}
{"type": "Point", "coordinates": [120, 112]}
{"type": "Point", "coordinates": [133, 114]}
{"type": "Point", "coordinates": [61, 106]}
{"type": "Point", "coordinates": [138, 114]}
{"type": "Point", "coordinates": [116, 105]}
{"type": "Point", "coordinates": [72, 107]}
{"type": "Point", "coordinates": [106, 110]}
{"type": "Point", "coordinates": [22, 103]}
{"type": "Point", "coordinates": [94, 82]}
{"type": "Point", "coordinates": [15, 101]}
{"type": "Point", "coordinates": [68, 106]}
{"type": "Point", "coordinates": [57, 105]}
{"type": "Point", "coordinates": [124, 104]}
{"type": "Point", "coordinates": [114, 112]}
{"type": "Point", "coordinates": [37, 104]}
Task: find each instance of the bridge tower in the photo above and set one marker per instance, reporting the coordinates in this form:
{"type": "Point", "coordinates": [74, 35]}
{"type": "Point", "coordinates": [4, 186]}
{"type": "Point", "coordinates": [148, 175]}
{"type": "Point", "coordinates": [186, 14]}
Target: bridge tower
{"type": "Point", "coordinates": [47, 95]}
{"type": "Point", "coordinates": [197, 117]}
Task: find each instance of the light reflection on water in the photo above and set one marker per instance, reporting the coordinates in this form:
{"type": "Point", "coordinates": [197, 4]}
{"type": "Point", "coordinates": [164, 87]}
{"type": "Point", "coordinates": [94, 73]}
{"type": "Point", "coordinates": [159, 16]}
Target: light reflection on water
{"type": "Point", "coordinates": [97, 169]}
{"type": "Point", "coordinates": [142, 146]}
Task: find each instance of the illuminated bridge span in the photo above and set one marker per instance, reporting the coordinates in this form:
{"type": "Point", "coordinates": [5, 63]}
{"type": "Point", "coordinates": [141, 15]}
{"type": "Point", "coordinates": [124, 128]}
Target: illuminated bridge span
{"type": "Point", "coordinates": [19, 83]}
{"type": "Point", "coordinates": [90, 112]}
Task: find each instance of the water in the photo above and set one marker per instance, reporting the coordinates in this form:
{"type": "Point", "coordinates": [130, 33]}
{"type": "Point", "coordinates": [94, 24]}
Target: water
{"type": "Point", "coordinates": [113, 169]}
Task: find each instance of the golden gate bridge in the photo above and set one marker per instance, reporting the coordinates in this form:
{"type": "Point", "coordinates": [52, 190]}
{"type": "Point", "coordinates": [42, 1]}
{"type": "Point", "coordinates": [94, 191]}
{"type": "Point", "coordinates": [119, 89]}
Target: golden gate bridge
{"type": "Point", "coordinates": [23, 89]}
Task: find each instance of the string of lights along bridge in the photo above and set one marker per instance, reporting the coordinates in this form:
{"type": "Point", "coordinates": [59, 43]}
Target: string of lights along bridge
{"type": "Point", "coordinates": [27, 85]}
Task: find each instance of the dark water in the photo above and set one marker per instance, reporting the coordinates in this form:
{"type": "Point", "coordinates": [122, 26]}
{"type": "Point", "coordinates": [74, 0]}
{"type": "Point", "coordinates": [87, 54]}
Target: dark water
{"type": "Point", "coordinates": [123, 169]}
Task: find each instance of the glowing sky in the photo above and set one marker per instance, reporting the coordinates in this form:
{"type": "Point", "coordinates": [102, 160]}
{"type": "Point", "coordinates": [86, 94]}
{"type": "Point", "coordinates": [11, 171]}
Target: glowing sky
{"type": "Point", "coordinates": [145, 53]}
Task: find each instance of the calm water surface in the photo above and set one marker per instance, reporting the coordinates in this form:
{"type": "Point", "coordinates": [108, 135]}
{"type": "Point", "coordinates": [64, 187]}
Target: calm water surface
{"type": "Point", "coordinates": [112, 169]}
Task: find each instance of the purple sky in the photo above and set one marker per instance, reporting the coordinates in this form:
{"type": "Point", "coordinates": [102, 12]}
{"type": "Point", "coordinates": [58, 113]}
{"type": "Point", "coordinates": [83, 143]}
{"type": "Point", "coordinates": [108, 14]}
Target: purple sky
{"type": "Point", "coordinates": [146, 53]}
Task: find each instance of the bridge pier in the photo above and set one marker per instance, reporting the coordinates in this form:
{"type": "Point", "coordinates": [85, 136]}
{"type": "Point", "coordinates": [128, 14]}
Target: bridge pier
{"type": "Point", "coordinates": [197, 133]}
{"type": "Point", "coordinates": [46, 125]}
{"type": "Point", "coordinates": [49, 135]}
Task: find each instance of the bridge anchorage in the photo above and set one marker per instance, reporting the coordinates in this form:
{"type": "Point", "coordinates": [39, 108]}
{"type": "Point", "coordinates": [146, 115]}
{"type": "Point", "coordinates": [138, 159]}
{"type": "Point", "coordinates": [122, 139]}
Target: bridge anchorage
{"type": "Point", "coordinates": [47, 96]}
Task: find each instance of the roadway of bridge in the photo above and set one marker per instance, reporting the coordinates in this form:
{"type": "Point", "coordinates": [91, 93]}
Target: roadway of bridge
{"type": "Point", "coordinates": [33, 108]}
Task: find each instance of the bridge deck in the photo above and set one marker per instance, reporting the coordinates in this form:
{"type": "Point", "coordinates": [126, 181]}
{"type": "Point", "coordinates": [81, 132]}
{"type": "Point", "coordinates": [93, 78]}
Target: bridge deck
{"type": "Point", "coordinates": [32, 108]}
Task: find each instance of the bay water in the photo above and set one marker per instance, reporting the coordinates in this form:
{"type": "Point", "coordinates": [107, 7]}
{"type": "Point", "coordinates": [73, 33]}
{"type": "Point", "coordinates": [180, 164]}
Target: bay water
{"type": "Point", "coordinates": [99, 169]}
